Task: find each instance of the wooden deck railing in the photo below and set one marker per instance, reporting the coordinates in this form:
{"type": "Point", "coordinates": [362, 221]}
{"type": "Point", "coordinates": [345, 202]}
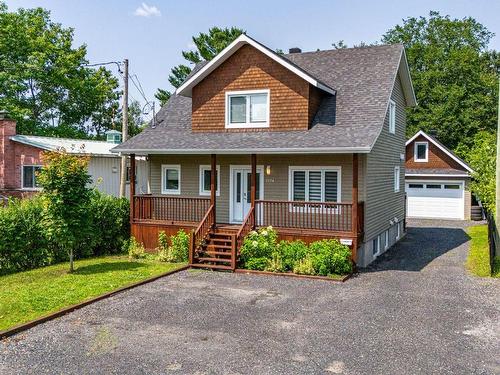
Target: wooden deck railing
{"type": "Point", "coordinates": [201, 232]}
{"type": "Point", "coordinates": [245, 228]}
{"type": "Point", "coordinates": [327, 216]}
{"type": "Point", "coordinates": [162, 208]}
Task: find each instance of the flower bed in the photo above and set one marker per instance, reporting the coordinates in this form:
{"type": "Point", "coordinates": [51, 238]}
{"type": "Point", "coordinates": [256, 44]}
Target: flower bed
{"type": "Point", "coordinates": [261, 251]}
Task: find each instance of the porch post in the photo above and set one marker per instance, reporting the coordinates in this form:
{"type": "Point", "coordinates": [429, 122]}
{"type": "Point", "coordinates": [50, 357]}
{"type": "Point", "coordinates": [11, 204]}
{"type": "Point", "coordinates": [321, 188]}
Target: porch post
{"type": "Point", "coordinates": [253, 187]}
{"type": "Point", "coordinates": [355, 206]}
{"type": "Point", "coordinates": [132, 186]}
{"type": "Point", "coordinates": [213, 189]}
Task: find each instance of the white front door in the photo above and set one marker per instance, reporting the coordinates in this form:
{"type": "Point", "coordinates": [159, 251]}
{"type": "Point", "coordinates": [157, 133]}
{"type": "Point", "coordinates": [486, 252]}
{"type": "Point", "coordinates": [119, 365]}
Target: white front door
{"type": "Point", "coordinates": [241, 182]}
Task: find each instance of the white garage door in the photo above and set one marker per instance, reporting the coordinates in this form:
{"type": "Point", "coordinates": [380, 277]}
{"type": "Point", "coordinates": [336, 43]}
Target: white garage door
{"type": "Point", "coordinates": [434, 199]}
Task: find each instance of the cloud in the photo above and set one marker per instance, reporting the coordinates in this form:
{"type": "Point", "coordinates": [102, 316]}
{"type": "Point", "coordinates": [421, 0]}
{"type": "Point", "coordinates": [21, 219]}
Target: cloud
{"type": "Point", "coordinates": [146, 10]}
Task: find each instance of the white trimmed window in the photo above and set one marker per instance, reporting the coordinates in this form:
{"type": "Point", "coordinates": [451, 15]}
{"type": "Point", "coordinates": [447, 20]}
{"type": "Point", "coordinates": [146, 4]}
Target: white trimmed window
{"type": "Point", "coordinates": [171, 179]}
{"type": "Point", "coordinates": [376, 246]}
{"type": "Point", "coordinates": [205, 172]}
{"type": "Point", "coordinates": [315, 184]}
{"type": "Point", "coordinates": [247, 109]}
{"type": "Point", "coordinates": [29, 177]}
{"type": "Point", "coordinates": [421, 152]}
{"type": "Point", "coordinates": [392, 116]}
{"type": "Point", "coordinates": [397, 176]}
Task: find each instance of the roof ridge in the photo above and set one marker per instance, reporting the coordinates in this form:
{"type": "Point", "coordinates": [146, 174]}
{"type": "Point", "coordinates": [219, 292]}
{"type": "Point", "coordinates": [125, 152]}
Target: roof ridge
{"type": "Point", "coordinates": [345, 49]}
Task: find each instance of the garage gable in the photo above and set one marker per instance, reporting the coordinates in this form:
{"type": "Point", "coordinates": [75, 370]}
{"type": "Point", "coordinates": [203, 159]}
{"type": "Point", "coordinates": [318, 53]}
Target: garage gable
{"type": "Point", "coordinates": [426, 152]}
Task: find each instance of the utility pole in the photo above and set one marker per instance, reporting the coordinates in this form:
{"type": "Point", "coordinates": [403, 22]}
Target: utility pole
{"type": "Point", "coordinates": [123, 170]}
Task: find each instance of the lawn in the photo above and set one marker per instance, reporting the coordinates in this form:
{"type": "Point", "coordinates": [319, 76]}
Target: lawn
{"type": "Point", "coordinates": [478, 260]}
{"type": "Point", "coordinates": [25, 296]}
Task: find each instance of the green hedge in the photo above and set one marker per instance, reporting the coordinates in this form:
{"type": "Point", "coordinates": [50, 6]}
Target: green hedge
{"type": "Point", "coordinates": [261, 251]}
{"type": "Point", "coordinates": [24, 243]}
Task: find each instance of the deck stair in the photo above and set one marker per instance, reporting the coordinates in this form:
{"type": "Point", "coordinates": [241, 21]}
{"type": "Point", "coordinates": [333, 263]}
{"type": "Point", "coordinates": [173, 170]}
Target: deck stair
{"type": "Point", "coordinates": [216, 252]}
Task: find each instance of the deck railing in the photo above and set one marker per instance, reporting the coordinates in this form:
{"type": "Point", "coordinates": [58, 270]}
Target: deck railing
{"type": "Point", "coordinates": [326, 216]}
{"type": "Point", "coordinates": [162, 208]}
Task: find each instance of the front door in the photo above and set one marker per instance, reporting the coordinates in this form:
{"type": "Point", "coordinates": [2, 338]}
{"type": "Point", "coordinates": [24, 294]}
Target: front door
{"type": "Point", "coordinates": [240, 194]}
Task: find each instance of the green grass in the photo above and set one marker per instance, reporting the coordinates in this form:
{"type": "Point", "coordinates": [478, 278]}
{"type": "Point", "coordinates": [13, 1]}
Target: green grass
{"type": "Point", "coordinates": [478, 260]}
{"type": "Point", "coordinates": [496, 268]}
{"type": "Point", "coordinates": [25, 296]}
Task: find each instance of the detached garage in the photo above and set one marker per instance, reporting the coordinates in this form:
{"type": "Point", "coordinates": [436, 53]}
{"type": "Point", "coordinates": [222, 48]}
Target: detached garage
{"type": "Point", "coordinates": [436, 180]}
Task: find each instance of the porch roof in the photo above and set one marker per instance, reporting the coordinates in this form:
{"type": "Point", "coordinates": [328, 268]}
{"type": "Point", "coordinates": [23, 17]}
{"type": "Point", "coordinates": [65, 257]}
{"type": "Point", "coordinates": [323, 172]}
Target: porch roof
{"type": "Point", "coordinates": [347, 122]}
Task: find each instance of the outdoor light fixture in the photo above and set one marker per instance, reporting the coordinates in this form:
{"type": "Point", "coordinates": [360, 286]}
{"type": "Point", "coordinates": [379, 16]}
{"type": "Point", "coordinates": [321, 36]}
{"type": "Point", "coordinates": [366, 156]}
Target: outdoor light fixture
{"type": "Point", "coordinates": [268, 170]}
{"type": "Point", "coordinates": [114, 169]}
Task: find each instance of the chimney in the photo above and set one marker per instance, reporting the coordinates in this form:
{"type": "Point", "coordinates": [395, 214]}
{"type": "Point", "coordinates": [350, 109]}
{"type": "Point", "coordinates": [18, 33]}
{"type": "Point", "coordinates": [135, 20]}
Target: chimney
{"type": "Point", "coordinates": [433, 133]}
{"type": "Point", "coordinates": [295, 50]}
{"type": "Point", "coordinates": [7, 130]}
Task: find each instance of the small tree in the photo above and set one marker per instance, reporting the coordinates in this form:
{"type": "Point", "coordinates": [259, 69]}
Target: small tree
{"type": "Point", "coordinates": [66, 196]}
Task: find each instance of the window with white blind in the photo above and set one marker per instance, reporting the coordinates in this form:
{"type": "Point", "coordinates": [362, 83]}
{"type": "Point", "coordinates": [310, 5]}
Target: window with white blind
{"type": "Point", "coordinates": [314, 184]}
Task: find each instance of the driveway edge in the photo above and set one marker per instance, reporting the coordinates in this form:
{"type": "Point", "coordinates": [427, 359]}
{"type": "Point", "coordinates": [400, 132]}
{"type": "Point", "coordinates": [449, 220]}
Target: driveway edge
{"type": "Point", "coordinates": [25, 326]}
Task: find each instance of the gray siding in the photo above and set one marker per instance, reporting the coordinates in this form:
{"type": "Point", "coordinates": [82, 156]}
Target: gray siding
{"type": "Point", "coordinates": [275, 185]}
{"type": "Point", "coordinates": [382, 203]}
{"type": "Point", "coordinates": [105, 174]}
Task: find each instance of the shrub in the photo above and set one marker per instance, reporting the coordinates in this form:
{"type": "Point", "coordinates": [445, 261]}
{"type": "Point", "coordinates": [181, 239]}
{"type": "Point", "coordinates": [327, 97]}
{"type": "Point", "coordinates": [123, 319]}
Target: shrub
{"type": "Point", "coordinates": [135, 249]}
{"type": "Point", "coordinates": [291, 252]}
{"type": "Point", "coordinates": [259, 244]}
{"type": "Point", "coordinates": [109, 224]}
{"type": "Point", "coordinates": [330, 257]}
{"type": "Point", "coordinates": [162, 247]}
{"type": "Point", "coordinates": [304, 266]}
{"type": "Point", "coordinates": [23, 244]}
{"type": "Point", "coordinates": [275, 264]}
{"type": "Point", "coordinates": [259, 264]}
{"type": "Point", "coordinates": [177, 251]}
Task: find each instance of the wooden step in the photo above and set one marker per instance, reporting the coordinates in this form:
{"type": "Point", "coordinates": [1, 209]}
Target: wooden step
{"type": "Point", "coordinates": [222, 240]}
{"type": "Point", "coordinates": [221, 234]}
{"type": "Point", "coordinates": [216, 260]}
{"type": "Point", "coordinates": [226, 253]}
{"type": "Point", "coordinates": [214, 246]}
{"type": "Point", "coordinates": [214, 266]}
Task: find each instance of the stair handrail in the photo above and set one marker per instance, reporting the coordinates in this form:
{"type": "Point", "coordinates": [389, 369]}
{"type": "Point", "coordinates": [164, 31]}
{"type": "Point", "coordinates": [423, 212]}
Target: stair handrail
{"type": "Point", "coordinates": [246, 226]}
{"type": "Point", "coordinates": [198, 235]}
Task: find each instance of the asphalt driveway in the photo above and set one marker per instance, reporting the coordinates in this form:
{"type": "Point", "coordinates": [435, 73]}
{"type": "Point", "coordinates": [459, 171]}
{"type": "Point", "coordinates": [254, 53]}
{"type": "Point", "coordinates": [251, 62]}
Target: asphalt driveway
{"type": "Point", "coordinates": [415, 311]}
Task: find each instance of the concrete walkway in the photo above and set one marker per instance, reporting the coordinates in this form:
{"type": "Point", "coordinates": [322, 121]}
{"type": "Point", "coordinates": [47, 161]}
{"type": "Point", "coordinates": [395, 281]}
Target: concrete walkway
{"type": "Point", "coordinates": [415, 311]}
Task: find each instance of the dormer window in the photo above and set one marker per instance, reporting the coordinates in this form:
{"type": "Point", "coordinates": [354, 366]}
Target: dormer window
{"type": "Point", "coordinates": [421, 152]}
{"type": "Point", "coordinates": [247, 109]}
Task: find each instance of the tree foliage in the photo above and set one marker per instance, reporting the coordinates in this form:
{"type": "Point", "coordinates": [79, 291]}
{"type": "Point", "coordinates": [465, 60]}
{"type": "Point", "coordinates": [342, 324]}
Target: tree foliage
{"type": "Point", "coordinates": [44, 81]}
{"type": "Point", "coordinates": [64, 179]}
{"type": "Point", "coordinates": [208, 45]}
{"type": "Point", "coordinates": [454, 76]}
{"type": "Point", "coordinates": [481, 156]}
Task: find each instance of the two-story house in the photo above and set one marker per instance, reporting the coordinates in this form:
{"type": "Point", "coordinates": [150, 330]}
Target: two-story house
{"type": "Point", "coordinates": [310, 143]}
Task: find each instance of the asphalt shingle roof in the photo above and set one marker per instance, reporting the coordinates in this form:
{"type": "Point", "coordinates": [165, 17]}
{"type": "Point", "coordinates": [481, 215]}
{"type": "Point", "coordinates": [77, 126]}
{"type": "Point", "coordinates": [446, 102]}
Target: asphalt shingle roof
{"type": "Point", "coordinates": [362, 77]}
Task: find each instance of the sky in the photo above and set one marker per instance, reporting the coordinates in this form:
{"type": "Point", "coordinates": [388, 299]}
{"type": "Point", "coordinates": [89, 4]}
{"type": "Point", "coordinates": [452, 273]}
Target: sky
{"type": "Point", "coordinates": [153, 33]}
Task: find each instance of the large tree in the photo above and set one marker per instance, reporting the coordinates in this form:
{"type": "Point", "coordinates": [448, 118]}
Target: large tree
{"type": "Point", "coordinates": [208, 45]}
{"type": "Point", "coordinates": [44, 81]}
{"type": "Point", "coordinates": [454, 76]}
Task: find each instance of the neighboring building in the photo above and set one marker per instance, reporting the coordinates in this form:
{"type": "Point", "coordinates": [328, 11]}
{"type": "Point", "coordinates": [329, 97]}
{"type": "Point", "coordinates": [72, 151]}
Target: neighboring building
{"type": "Point", "coordinates": [437, 180]}
{"type": "Point", "coordinates": [310, 143]}
{"type": "Point", "coordinates": [20, 158]}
